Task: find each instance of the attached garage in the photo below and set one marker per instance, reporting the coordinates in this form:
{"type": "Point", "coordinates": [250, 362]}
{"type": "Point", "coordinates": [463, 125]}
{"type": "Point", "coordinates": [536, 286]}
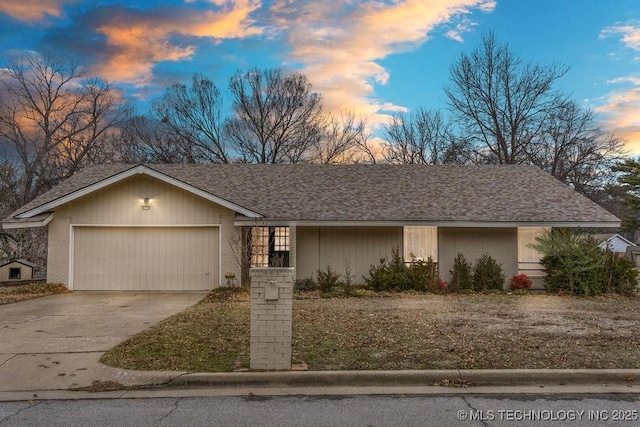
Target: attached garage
{"type": "Point", "coordinates": [145, 258]}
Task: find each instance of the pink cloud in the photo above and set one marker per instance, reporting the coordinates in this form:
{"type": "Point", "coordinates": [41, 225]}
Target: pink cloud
{"type": "Point", "coordinates": [630, 33]}
{"type": "Point", "coordinates": [31, 10]}
{"type": "Point", "coordinates": [622, 105]}
{"type": "Point", "coordinates": [136, 42]}
{"type": "Point", "coordinates": [621, 112]}
{"type": "Point", "coordinates": [338, 44]}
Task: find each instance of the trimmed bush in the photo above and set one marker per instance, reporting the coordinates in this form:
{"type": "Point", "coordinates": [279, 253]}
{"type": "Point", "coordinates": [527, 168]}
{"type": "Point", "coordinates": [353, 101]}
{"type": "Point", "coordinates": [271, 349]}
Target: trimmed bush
{"type": "Point", "coordinates": [487, 274]}
{"type": "Point", "coordinates": [461, 274]}
{"type": "Point", "coordinates": [422, 275]}
{"type": "Point", "coordinates": [395, 275]}
{"type": "Point", "coordinates": [521, 282]}
{"type": "Point", "coordinates": [388, 275]}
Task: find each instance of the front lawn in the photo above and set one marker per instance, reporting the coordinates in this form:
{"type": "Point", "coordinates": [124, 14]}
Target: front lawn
{"type": "Point", "coordinates": [425, 331]}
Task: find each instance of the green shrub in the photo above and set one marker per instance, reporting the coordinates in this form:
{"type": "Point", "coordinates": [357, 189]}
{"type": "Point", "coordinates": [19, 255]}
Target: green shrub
{"type": "Point", "coordinates": [388, 275]}
{"type": "Point", "coordinates": [572, 261]}
{"type": "Point", "coordinates": [487, 274]}
{"type": "Point", "coordinates": [422, 275]}
{"type": "Point", "coordinates": [619, 275]}
{"type": "Point", "coordinates": [461, 274]}
{"type": "Point", "coordinates": [396, 275]}
{"type": "Point", "coordinates": [328, 280]}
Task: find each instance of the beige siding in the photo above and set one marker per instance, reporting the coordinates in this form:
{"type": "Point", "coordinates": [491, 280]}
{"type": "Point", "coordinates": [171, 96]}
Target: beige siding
{"type": "Point", "coordinates": [307, 252]}
{"type": "Point", "coordinates": [339, 247]}
{"type": "Point", "coordinates": [500, 243]}
{"type": "Point", "coordinates": [59, 247]}
{"type": "Point", "coordinates": [26, 272]}
{"type": "Point", "coordinates": [529, 258]}
{"type": "Point", "coordinates": [121, 204]}
{"type": "Point", "coordinates": [145, 258]}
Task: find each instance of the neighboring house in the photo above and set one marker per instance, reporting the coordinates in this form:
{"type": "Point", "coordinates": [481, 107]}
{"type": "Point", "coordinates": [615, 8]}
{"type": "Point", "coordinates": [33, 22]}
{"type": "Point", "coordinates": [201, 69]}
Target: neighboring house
{"type": "Point", "coordinates": [19, 269]}
{"type": "Point", "coordinates": [613, 242]}
{"type": "Point", "coordinates": [186, 227]}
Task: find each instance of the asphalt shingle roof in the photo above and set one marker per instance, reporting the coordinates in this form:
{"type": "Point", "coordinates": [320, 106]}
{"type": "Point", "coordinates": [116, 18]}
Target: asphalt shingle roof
{"type": "Point", "coordinates": [309, 192]}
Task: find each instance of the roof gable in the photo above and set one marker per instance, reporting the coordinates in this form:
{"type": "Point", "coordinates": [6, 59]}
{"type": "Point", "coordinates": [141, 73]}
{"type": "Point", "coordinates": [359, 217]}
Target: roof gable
{"type": "Point", "coordinates": [20, 261]}
{"type": "Point", "coordinates": [87, 183]}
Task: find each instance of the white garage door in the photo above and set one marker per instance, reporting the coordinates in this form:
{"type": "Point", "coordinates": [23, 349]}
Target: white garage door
{"type": "Point", "coordinates": [145, 258]}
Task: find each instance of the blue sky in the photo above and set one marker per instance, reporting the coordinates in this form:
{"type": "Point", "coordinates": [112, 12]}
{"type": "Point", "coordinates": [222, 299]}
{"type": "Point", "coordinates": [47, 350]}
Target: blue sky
{"type": "Point", "coordinates": [368, 57]}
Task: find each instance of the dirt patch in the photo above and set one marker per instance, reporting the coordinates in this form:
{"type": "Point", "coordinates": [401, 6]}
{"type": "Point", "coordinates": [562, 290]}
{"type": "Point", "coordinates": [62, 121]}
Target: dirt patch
{"type": "Point", "coordinates": [468, 332]}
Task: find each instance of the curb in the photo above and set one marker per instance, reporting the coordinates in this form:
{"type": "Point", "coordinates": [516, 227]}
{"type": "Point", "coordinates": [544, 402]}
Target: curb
{"type": "Point", "coordinates": [458, 378]}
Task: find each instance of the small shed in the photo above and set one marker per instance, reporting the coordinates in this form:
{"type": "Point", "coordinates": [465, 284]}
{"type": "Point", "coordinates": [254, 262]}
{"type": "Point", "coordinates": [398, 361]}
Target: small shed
{"type": "Point", "coordinates": [19, 269]}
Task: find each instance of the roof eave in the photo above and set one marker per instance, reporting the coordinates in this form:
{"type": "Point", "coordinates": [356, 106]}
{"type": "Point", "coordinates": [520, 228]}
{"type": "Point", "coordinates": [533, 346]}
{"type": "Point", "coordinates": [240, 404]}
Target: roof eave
{"type": "Point", "coordinates": [40, 220]}
{"type": "Point", "coordinates": [396, 223]}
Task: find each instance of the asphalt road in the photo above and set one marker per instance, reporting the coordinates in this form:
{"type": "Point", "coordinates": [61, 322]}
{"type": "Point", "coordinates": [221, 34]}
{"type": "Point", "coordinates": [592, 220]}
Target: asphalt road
{"type": "Point", "coordinates": [455, 410]}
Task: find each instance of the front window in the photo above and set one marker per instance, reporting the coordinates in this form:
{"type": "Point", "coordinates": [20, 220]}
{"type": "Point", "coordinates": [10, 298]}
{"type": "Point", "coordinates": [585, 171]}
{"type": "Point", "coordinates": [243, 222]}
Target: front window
{"type": "Point", "coordinates": [270, 246]}
{"type": "Point", "coordinates": [420, 243]}
{"type": "Point", "coordinates": [259, 246]}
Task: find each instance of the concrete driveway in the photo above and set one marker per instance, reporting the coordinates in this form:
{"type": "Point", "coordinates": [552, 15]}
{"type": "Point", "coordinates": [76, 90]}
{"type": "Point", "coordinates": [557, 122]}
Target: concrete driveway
{"type": "Point", "coordinates": [55, 342]}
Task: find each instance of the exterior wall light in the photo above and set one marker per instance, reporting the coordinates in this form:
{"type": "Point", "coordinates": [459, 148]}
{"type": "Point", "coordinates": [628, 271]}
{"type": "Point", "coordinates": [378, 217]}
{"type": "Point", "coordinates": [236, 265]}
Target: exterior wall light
{"type": "Point", "coordinates": [146, 206]}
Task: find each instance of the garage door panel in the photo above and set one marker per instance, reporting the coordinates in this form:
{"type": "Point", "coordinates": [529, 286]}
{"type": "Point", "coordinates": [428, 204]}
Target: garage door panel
{"type": "Point", "coordinates": [145, 258]}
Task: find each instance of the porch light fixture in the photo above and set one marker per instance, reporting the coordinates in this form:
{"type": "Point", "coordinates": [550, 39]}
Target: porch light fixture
{"type": "Point", "coordinates": [146, 206]}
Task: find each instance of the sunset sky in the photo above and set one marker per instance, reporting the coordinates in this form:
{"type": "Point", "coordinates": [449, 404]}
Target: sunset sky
{"type": "Point", "coordinates": [368, 57]}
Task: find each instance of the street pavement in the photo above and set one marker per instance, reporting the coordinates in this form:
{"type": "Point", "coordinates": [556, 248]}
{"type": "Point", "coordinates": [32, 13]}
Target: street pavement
{"type": "Point", "coordinates": [345, 410]}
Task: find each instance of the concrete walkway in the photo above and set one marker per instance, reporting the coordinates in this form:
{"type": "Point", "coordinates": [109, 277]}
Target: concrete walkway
{"type": "Point", "coordinates": [55, 342]}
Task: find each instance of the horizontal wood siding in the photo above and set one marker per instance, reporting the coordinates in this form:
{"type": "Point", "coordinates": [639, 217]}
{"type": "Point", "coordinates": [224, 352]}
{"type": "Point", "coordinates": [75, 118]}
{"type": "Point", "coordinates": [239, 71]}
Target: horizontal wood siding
{"type": "Point", "coordinates": [500, 243]}
{"type": "Point", "coordinates": [528, 257]}
{"type": "Point", "coordinates": [145, 258]}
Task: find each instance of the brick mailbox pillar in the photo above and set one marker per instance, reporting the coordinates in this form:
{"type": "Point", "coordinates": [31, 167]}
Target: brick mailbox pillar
{"type": "Point", "coordinates": [271, 302]}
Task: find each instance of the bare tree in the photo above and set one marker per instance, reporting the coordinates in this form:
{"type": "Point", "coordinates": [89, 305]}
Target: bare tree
{"type": "Point", "coordinates": [54, 119]}
{"type": "Point", "coordinates": [341, 139]}
{"type": "Point", "coordinates": [501, 101]}
{"type": "Point", "coordinates": [276, 117]}
{"type": "Point", "coordinates": [191, 115]}
{"type": "Point", "coordinates": [572, 147]}
{"type": "Point", "coordinates": [146, 140]}
{"type": "Point", "coordinates": [423, 137]}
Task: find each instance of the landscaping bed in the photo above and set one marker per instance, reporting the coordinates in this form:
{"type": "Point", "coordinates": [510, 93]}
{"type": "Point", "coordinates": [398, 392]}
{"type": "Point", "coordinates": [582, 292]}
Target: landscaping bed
{"type": "Point", "coordinates": [402, 331]}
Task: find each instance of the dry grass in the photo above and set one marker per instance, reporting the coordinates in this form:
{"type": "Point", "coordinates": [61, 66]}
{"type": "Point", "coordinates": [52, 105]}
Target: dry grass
{"type": "Point", "coordinates": [404, 332]}
{"type": "Point", "coordinates": [11, 294]}
{"type": "Point", "coordinates": [211, 336]}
